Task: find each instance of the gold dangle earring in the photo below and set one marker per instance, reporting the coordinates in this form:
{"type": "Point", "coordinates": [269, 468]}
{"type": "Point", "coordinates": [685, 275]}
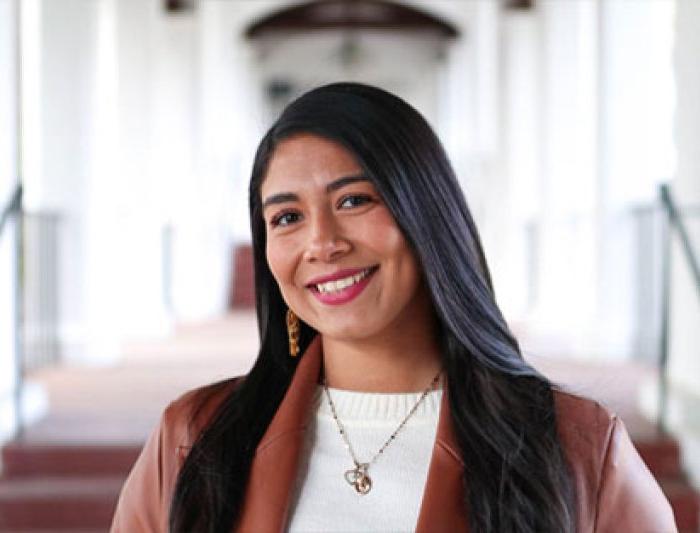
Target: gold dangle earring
{"type": "Point", "coordinates": [293, 332]}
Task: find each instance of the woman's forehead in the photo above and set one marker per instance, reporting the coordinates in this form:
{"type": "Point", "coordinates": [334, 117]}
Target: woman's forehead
{"type": "Point", "coordinates": [307, 160]}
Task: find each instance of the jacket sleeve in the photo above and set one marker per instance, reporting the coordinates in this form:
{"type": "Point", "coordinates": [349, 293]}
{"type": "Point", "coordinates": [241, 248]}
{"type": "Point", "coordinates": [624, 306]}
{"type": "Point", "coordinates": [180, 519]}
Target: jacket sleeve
{"type": "Point", "coordinates": [629, 499]}
{"type": "Point", "coordinates": [145, 497]}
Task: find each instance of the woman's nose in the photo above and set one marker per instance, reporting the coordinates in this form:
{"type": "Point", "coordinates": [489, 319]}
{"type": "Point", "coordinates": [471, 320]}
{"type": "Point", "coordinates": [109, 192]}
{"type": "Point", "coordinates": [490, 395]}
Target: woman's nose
{"type": "Point", "coordinates": [325, 243]}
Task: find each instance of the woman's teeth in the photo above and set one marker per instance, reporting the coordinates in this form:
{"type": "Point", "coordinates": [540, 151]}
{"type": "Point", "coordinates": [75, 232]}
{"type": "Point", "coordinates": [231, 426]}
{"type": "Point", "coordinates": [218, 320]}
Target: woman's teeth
{"type": "Point", "coordinates": [340, 284]}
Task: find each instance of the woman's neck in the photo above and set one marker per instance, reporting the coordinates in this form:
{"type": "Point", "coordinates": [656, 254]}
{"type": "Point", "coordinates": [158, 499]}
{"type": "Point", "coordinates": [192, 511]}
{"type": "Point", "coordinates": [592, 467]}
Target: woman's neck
{"type": "Point", "coordinates": [405, 363]}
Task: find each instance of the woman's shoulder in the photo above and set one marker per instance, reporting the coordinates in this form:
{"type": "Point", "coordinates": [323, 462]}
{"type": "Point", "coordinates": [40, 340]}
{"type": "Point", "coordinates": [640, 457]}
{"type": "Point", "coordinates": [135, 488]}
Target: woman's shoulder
{"type": "Point", "coordinates": [186, 416]}
{"type": "Point", "coordinates": [580, 415]}
{"type": "Point", "coordinates": [144, 501]}
{"type": "Point", "coordinates": [585, 427]}
{"type": "Point", "coordinates": [615, 489]}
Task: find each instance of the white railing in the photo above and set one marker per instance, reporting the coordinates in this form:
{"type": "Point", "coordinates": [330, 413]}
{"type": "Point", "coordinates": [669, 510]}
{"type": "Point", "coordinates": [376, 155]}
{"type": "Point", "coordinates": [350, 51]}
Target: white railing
{"type": "Point", "coordinates": [13, 212]}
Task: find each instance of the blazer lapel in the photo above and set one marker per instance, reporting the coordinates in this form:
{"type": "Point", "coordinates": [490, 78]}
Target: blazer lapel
{"type": "Point", "coordinates": [442, 508]}
{"type": "Point", "coordinates": [274, 469]}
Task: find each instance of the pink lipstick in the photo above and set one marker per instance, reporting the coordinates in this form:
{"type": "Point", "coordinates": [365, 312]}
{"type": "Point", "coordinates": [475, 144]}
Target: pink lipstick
{"type": "Point", "coordinates": [342, 286]}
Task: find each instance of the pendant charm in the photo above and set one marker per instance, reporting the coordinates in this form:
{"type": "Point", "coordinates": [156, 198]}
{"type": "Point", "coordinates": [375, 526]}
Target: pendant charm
{"type": "Point", "coordinates": [358, 478]}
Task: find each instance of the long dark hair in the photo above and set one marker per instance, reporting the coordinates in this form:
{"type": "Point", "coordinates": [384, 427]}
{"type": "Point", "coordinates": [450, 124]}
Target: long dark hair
{"type": "Point", "coordinates": [516, 475]}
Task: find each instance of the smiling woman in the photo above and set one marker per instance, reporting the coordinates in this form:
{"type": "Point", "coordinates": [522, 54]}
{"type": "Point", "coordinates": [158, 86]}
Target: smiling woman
{"type": "Point", "coordinates": [344, 267]}
{"type": "Point", "coordinates": [388, 393]}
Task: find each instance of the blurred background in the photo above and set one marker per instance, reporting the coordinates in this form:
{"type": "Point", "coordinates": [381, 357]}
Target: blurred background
{"type": "Point", "coordinates": [127, 133]}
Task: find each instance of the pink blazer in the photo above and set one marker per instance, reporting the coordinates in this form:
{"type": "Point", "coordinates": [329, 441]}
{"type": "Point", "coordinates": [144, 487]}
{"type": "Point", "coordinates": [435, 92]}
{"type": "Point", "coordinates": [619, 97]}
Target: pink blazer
{"type": "Point", "coordinates": [616, 493]}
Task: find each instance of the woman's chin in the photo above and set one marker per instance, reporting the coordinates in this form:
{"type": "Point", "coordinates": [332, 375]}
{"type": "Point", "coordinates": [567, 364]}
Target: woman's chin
{"type": "Point", "coordinates": [353, 332]}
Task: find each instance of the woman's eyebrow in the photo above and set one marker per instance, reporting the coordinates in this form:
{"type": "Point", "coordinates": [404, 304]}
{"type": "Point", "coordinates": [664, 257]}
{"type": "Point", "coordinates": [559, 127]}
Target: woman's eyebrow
{"type": "Point", "coordinates": [342, 182]}
{"type": "Point", "coordinates": [283, 197]}
{"type": "Point", "coordinates": [280, 198]}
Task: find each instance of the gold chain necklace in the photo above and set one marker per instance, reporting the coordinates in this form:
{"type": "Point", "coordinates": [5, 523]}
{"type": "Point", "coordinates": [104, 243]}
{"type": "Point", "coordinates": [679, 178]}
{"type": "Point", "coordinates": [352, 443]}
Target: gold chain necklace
{"type": "Point", "coordinates": [358, 477]}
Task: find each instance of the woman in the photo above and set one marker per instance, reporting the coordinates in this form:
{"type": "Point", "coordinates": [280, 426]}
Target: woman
{"type": "Point", "coordinates": [388, 393]}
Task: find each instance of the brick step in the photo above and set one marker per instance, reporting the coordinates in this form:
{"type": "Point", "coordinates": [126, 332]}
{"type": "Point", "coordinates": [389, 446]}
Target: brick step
{"type": "Point", "coordinates": [662, 455]}
{"type": "Point", "coordinates": [685, 502]}
{"type": "Point", "coordinates": [49, 460]}
{"type": "Point", "coordinates": [72, 487]}
{"type": "Point", "coordinates": [58, 504]}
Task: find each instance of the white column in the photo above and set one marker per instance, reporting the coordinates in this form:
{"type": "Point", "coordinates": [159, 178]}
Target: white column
{"type": "Point", "coordinates": [8, 99]}
{"type": "Point", "coordinates": [68, 57]}
{"type": "Point", "coordinates": [519, 208]}
{"type": "Point", "coordinates": [28, 400]}
{"type": "Point", "coordinates": [141, 182]}
{"type": "Point", "coordinates": [193, 198]}
{"type": "Point", "coordinates": [231, 102]}
{"type": "Point", "coordinates": [685, 309]}
{"type": "Point", "coordinates": [8, 325]}
{"type": "Point", "coordinates": [231, 123]}
{"type": "Point", "coordinates": [605, 144]}
{"type": "Point", "coordinates": [485, 182]}
{"type": "Point", "coordinates": [684, 356]}
{"type": "Point", "coordinates": [80, 178]}
{"type": "Point", "coordinates": [564, 239]}
{"type": "Point", "coordinates": [636, 155]}
{"type": "Point", "coordinates": [8, 181]}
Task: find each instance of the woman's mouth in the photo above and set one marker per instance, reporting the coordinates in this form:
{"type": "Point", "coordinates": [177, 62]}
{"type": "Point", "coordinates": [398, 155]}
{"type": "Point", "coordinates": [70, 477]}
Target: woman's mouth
{"type": "Point", "coordinates": [343, 289]}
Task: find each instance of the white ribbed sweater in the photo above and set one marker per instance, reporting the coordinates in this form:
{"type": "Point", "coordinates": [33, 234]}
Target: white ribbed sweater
{"type": "Point", "coordinates": [324, 501]}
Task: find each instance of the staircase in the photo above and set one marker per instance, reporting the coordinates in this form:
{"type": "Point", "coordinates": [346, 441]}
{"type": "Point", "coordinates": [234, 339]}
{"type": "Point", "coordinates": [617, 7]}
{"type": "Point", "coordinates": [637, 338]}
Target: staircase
{"type": "Point", "coordinates": [61, 488]}
{"type": "Point", "coordinates": [75, 488]}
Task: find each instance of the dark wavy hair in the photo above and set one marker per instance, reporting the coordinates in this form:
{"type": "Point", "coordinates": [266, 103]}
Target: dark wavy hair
{"type": "Point", "coordinates": [516, 476]}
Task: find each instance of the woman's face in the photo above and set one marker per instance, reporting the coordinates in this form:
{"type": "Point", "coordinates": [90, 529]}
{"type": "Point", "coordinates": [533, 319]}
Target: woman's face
{"type": "Point", "coordinates": [341, 262]}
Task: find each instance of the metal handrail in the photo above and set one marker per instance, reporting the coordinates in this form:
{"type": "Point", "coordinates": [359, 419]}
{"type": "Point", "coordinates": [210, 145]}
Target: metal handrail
{"type": "Point", "coordinates": [12, 207]}
{"type": "Point", "coordinates": [674, 222]}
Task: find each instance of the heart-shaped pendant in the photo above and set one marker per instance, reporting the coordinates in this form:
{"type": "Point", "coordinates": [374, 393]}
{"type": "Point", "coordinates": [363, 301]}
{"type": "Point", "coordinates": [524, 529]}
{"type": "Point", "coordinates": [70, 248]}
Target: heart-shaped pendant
{"type": "Point", "coordinates": [351, 476]}
{"type": "Point", "coordinates": [358, 478]}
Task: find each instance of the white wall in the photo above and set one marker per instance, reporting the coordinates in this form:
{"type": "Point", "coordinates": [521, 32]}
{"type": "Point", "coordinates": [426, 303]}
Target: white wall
{"type": "Point", "coordinates": [588, 112]}
{"type": "Point", "coordinates": [685, 304]}
{"type": "Point", "coordinates": [128, 114]}
{"type": "Point", "coordinates": [684, 356]}
{"type": "Point", "coordinates": [234, 70]}
{"type": "Point", "coordinates": [149, 122]}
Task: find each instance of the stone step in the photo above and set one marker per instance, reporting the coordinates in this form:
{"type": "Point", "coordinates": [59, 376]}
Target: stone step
{"type": "Point", "coordinates": [75, 487]}
{"type": "Point", "coordinates": [50, 460]}
{"type": "Point", "coordinates": [58, 504]}
{"type": "Point", "coordinates": [662, 455]}
{"type": "Point", "coordinates": [685, 501]}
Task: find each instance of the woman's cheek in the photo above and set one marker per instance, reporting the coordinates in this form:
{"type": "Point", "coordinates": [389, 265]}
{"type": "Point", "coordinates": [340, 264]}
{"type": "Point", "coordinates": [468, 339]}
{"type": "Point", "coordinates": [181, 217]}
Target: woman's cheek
{"type": "Point", "coordinates": [282, 258]}
{"type": "Point", "coordinates": [275, 260]}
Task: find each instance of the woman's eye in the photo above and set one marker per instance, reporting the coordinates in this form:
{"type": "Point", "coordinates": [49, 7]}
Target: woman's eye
{"type": "Point", "coordinates": [284, 219]}
{"type": "Point", "coordinates": [354, 200]}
